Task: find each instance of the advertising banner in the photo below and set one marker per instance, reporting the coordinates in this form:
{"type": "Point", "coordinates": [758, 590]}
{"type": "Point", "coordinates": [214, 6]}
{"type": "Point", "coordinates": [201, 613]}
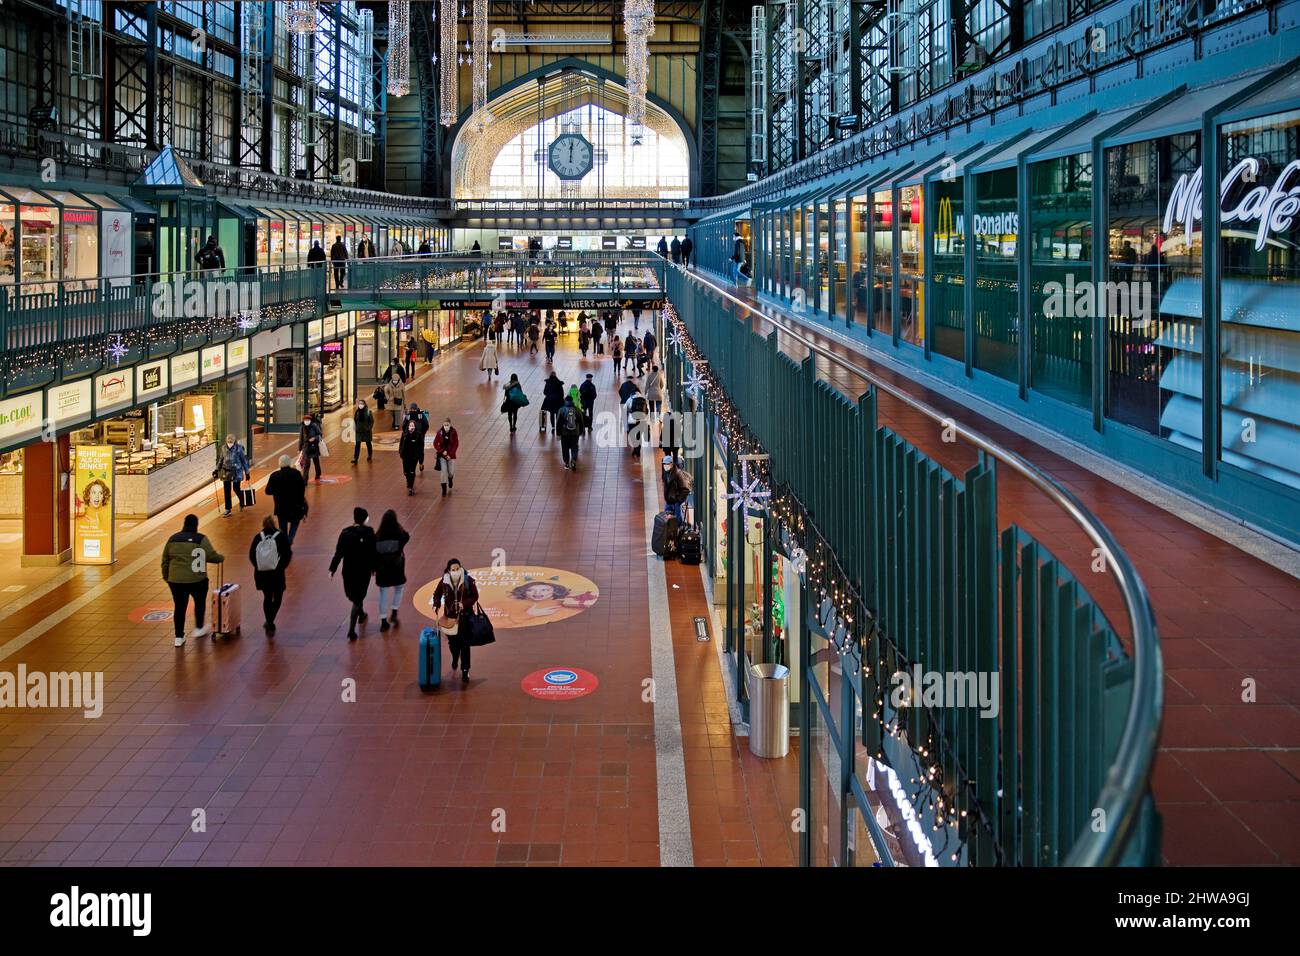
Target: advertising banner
{"type": "Point", "coordinates": [116, 249]}
{"type": "Point", "coordinates": [92, 526]}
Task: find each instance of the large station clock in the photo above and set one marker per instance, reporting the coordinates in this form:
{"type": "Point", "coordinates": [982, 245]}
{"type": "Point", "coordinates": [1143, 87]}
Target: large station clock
{"type": "Point", "coordinates": [570, 156]}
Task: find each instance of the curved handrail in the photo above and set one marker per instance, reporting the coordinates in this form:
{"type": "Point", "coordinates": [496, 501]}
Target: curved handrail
{"type": "Point", "coordinates": [1128, 775]}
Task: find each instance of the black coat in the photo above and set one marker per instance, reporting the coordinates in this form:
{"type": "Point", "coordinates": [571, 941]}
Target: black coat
{"type": "Point", "coordinates": [390, 565]}
{"type": "Point", "coordinates": [271, 580]}
{"type": "Point", "coordinates": [408, 447]}
{"type": "Point", "coordinates": [587, 392]}
{"type": "Point", "coordinates": [356, 551]}
{"type": "Point", "coordinates": [309, 437]}
{"type": "Point", "coordinates": [289, 490]}
{"type": "Point", "coordinates": [552, 395]}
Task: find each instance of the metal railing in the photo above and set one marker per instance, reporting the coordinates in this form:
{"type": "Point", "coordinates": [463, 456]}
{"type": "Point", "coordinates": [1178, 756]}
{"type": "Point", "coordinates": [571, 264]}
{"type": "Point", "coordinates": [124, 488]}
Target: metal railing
{"type": "Point", "coordinates": [491, 275]}
{"type": "Point", "coordinates": [951, 590]}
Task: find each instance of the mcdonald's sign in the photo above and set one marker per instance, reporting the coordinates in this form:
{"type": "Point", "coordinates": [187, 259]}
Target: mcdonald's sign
{"type": "Point", "coordinates": [949, 226]}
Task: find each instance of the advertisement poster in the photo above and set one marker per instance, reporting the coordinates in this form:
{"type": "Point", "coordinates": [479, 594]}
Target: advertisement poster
{"type": "Point", "coordinates": [115, 242]}
{"type": "Point", "coordinates": [92, 524]}
{"type": "Point", "coordinates": [515, 596]}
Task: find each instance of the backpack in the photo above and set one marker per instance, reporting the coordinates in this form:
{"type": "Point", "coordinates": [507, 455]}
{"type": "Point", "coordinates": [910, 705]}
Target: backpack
{"type": "Point", "coordinates": [267, 553]}
{"type": "Point", "coordinates": [639, 405]}
{"type": "Point", "coordinates": [568, 420]}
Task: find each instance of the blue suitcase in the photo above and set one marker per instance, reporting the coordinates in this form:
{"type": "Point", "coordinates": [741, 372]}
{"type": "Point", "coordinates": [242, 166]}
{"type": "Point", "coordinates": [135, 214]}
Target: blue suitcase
{"type": "Point", "coordinates": [430, 658]}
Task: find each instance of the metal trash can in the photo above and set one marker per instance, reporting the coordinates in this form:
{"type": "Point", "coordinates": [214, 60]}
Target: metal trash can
{"type": "Point", "coordinates": [769, 710]}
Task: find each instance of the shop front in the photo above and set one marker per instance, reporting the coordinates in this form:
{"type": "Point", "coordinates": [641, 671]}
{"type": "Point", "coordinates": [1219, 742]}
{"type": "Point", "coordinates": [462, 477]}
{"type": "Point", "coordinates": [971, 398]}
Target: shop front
{"type": "Point", "coordinates": [304, 369]}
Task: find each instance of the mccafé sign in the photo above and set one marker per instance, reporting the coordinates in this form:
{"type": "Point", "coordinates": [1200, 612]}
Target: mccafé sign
{"type": "Point", "coordinates": [1265, 208]}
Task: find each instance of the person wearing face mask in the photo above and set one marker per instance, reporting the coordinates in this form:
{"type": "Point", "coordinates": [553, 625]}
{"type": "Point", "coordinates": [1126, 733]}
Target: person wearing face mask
{"type": "Point", "coordinates": [356, 551]}
{"type": "Point", "coordinates": [452, 600]}
{"type": "Point", "coordinates": [233, 467]}
{"type": "Point", "coordinates": [421, 418]}
{"type": "Point", "coordinates": [309, 437]}
{"type": "Point", "coordinates": [408, 449]}
{"type": "Point", "coordinates": [395, 395]}
{"type": "Point", "coordinates": [363, 427]}
{"type": "Point", "coordinates": [446, 442]}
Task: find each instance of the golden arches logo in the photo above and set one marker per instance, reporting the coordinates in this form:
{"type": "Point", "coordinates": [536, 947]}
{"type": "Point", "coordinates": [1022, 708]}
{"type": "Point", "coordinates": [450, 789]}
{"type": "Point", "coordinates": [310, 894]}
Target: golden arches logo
{"type": "Point", "coordinates": [948, 225]}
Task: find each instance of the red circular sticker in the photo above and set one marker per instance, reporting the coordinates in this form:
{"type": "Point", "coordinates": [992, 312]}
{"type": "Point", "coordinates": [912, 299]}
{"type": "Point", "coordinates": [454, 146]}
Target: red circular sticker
{"type": "Point", "coordinates": [151, 614]}
{"type": "Point", "coordinates": [559, 683]}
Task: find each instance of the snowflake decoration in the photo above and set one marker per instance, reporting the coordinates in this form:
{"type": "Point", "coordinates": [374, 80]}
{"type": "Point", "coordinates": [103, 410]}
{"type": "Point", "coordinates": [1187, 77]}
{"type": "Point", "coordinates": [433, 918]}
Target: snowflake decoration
{"type": "Point", "coordinates": [695, 383]}
{"type": "Point", "coordinates": [676, 339]}
{"type": "Point", "coordinates": [117, 349]}
{"type": "Point", "coordinates": [249, 321]}
{"type": "Point", "coordinates": [749, 493]}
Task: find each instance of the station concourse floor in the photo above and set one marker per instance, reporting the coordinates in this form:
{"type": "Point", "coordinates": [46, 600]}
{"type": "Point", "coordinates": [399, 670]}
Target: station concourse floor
{"type": "Point", "coordinates": [255, 732]}
{"type": "Point", "coordinates": [1226, 778]}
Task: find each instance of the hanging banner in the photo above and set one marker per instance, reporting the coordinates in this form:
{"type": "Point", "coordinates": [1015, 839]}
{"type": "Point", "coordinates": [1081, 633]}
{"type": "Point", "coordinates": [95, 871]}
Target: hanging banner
{"type": "Point", "coordinates": [115, 246]}
{"type": "Point", "coordinates": [92, 528]}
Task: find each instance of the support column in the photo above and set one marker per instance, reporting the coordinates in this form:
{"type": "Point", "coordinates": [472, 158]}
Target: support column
{"type": "Point", "coordinates": [47, 510]}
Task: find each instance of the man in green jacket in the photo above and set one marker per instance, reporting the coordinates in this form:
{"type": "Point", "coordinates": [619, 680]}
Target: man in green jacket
{"type": "Point", "coordinates": [185, 560]}
{"type": "Point", "coordinates": [363, 426]}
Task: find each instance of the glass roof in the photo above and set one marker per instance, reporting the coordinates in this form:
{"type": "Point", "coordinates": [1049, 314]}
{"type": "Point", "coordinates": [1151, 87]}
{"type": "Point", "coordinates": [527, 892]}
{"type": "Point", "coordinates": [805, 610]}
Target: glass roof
{"type": "Point", "coordinates": [1186, 111]}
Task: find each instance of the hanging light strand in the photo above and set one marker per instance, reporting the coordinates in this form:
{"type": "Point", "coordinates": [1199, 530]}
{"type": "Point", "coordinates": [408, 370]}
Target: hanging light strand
{"type": "Point", "coordinates": [399, 47]}
{"type": "Point", "coordinates": [450, 72]}
{"type": "Point", "coordinates": [479, 32]}
{"type": "Point", "coordinates": [300, 18]}
{"type": "Point", "coordinates": [638, 25]}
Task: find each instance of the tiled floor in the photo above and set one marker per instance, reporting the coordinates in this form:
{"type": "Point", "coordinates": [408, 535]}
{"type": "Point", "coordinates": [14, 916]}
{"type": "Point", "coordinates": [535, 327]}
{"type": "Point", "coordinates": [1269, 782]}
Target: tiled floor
{"type": "Point", "coordinates": [254, 738]}
{"type": "Point", "coordinates": [1227, 775]}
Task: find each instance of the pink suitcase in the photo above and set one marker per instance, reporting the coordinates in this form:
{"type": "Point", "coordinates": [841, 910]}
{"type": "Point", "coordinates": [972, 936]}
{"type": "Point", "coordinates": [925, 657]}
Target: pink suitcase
{"type": "Point", "coordinates": [225, 610]}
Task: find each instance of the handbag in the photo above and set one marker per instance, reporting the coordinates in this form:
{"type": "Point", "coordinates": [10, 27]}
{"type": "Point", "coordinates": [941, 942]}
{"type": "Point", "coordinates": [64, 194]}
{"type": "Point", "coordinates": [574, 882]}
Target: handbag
{"type": "Point", "coordinates": [302, 459]}
{"type": "Point", "coordinates": [478, 628]}
{"type": "Point", "coordinates": [324, 447]}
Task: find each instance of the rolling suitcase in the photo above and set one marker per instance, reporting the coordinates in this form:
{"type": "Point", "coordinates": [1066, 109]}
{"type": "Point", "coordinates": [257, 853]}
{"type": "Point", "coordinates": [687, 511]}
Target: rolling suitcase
{"type": "Point", "coordinates": [541, 420]}
{"type": "Point", "coordinates": [688, 545]}
{"type": "Point", "coordinates": [225, 608]}
{"type": "Point", "coordinates": [663, 540]}
{"type": "Point", "coordinates": [430, 658]}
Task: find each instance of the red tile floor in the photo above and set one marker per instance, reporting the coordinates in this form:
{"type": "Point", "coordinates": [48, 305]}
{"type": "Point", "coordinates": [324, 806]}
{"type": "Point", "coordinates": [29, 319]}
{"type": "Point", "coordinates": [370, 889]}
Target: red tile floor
{"type": "Point", "coordinates": [255, 733]}
{"type": "Point", "coordinates": [1227, 775]}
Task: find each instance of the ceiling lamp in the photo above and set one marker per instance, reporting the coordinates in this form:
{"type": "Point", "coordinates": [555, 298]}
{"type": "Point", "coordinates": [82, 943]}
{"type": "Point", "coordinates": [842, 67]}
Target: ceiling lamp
{"type": "Point", "coordinates": [450, 72]}
{"type": "Point", "coordinates": [479, 30]}
{"type": "Point", "coordinates": [399, 47]}
{"type": "Point", "coordinates": [301, 16]}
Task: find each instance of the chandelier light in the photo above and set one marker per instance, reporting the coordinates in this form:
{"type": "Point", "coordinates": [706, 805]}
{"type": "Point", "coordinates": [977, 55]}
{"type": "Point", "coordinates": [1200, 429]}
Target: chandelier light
{"type": "Point", "coordinates": [300, 18]}
{"type": "Point", "coordinates": [450, 72]}
{"type": "Point", "coordinates": [480, 54]}
{"type": "Point", "coordinates": [399, 47]}
{"type": "Point", "coordinates": [638, 25]}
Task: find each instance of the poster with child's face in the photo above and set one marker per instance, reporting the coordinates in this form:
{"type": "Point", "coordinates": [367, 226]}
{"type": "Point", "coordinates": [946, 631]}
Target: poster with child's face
{"type": "Point", "coordinates": [92, 526]}
{"type": "Point", "coordinates": [515, 596]}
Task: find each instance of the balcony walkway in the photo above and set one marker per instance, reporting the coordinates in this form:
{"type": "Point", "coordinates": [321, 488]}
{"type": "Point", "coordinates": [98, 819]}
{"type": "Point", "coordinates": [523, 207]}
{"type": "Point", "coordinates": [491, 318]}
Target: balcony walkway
{"type": "Point", "coordinates": [254, 731]}
{"type": "Point", "coordinates": [1227, 776]}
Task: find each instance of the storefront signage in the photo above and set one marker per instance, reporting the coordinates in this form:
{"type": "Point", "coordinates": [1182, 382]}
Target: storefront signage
{"type": "Point", "coordinates": [272, 341]}
{"type": "Point", "coordinates": [185, 370]}
{"type": "Point", "coordinates": [113, 390]}
{"type": "Point", "coordinates": [331, 326]}
{"type": "Point", "coordinates": [214, 363]}
{"type": "Point", "coordinates": [20, 417]}
{"type": "Point", "coordinates": [1001, 224]}
{"type": "Point", "coordinates": [115, 245]}
{"type": "Point", "coordinates": [609, 242]}
{"type": "Point", "coordinates": [79, 216]}
{"type": "Point", "coordinates": [505, 243]}
{"type": "Point", "coordinates": [332, 347]}
{"type": "Point", "coordinates": [92, 529]}
{"type": "Point", "coordinates": [151, 380]}
{"type": "Point", "coordinates": [564, 242]}
{"type": "Point", "coordinates": [236, 354]}
{"type": "Point", "coordinates": [637, 242]}
{"type": "Point", "coordinates": [314, 328]}
{"type": "Point", "coordinates": [69, 404]}
{"type": "Point", "coordinates": [1265, 208]}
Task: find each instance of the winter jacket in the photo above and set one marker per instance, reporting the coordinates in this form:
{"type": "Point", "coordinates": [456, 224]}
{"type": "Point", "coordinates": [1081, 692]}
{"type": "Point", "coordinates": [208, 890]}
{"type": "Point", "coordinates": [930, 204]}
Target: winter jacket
{"type": "Point", "coordinates": [575, 395]}
{"type": "Point", "coordinates": [687, 246]}
{"type": "Point", "coordinates": [409, 446]}
{"type": "Point", "coordinates": [390, 560]}
{"type": "Point", "coordinates": [453, 601]}
{"type": "Point", "coordinates": [552, 395]}
{"type": "Point", "coordinates": [394, 392]}
{"type": "Point", "coordinates": [550, 338]}
{"type": "Point", "coordinates": [270, 580]}
{"type": "Point", "coordinates": [630, 345]}
{"type": "Point", "coordinates": [649, 343]}
{"type": "Point", "coordinates": [489, 359]}
{"type": "Point", "coordinates": [356, 551]}
{"type": "Point", "coordinates": [338, 252]}
{"type": "Point", "coordinates": [233, 464]}
{"type": "Point", "coordinates": [363, 421]}
{"type": "Point", "coordinates": [178, 557]}
{"type": "Point", "coordinates": [309, 437]}
{"type": "Point", "coordinates": [288, 489]}
{"type": "Point", "coordinates": [569, 421]}
{"type": "Point", "coordinates": [597, 330]}
{"type": "Point", "coordinates": [654, 387]}
{"type": "Point", "coordinates": [626, 390]}
{"type": "Point", "coordinates": [587, 390]}
{"type": "Point", "coordinates": [446, 443]}
{"type": "Point", "coordinates": [316, 257]}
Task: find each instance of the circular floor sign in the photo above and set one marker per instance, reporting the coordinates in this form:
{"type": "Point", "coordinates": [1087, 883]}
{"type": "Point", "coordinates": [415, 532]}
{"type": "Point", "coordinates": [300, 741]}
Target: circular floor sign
{"type": "Point", "coordinates": [516, 595]}
{"type": "Point", "coordinates": [559, 683]}
{"type": "Point", "coordinates": [335, 479]}
{"type": "Point", "coordinates": [151, 614]}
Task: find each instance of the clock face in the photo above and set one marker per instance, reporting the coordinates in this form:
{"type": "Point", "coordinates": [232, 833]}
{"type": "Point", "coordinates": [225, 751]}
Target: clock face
{"type": "Point", "coordinates": [570, 156]}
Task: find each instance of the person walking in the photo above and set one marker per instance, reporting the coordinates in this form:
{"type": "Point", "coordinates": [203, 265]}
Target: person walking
{"type": "Point", "coordinates": [210, 258]}
{"type": "Point", "coordinates": [662, 248]}
{"type": "Point", "coordinates": [363, 429]}
{"type": "Point", "coordinates": [517, 328]}
{"type": "Point", "coordinates": [550, 338]}
{"type": "Point", "coordinates": [687, 248]}
{"type": "Point", "coordinates": [569, 428]}
{"type": "Point", "coordinates": [648, 346]}
{"type": "Point", "coordinates": [636, 320]}
{"type": "Point", "coordinates": [588, 393]}
{"type": "Point", "coordinates": [395, 397]}
{"type": "Point", "coordinates": [597, 332]}
{"type": "Point", "coordinates": [552, 398]}
{"type": "Point", "coordinates": [394, 368]}
{"type": "Point", "coordinates": [654, 391]}
{"type": "Point", "coordinates": [611, 323]}
{"type": "Point", "coordinates": [270, 553]}
{"type": "Point", "coordinates": [356, 551]}
{"type": "Point", "coordinates": [408, 449]}
{"type": "Point", "coordinates": [316, 256]}
{"type": "Point", "coordinates": [616, 353]}
{"type": "Point", "coordinates": [452, 601]}
{"type": "Point", "coordinates": [636, 408]}
{"type": "Point", "coordinates": [339, 260]}
{"type": "Point", "coordinates": [421, 418]}
{"type": "Point", "coordinates": [287, 487]}
{"type": "Point", "coordinates": [390, 567]}
{"type": "Point", "coordinates": [410, 357]}
{"type": "Point", "coordinates": [515, 399]}
{"type": "Point", "coordinates": [533, 334]}
{"type": "Point", "coordinates": [309, 441]}
{"type": "Point", "coordinates": [233, 468]}
{"type": "Point", "coordinates": [584, 338]}
{"type": "Point", "coordinates": [630, 349]}
{"type": "Point", "coordinates": [446, 442]}
{"type": "Point", "coordinates": [488, 361]}
{"type": "Point", "coordinates": [739, 255]}
{"type": "Point", "coordinates": [676, 249]}
{"type": "Point", "coordinates": [185, 560]}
